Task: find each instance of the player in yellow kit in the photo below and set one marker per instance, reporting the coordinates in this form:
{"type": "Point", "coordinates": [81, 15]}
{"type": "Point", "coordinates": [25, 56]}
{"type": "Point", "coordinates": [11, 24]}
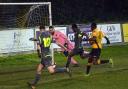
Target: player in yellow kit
{"type": "Point", "coordinates": [96, 43]}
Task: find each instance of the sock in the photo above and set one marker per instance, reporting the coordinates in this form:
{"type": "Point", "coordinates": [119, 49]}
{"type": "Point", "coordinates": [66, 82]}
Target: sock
{"type": "Point", "coordinates": [37, 78]}
{"type": "Point", "coordinates": [60, 70]}
{"type": "Point", "coordinates": [68, 61]}
{"type": "Point", "coordinates": [104, 61]}
{"type": "Point", "coordinates": [88, 69]}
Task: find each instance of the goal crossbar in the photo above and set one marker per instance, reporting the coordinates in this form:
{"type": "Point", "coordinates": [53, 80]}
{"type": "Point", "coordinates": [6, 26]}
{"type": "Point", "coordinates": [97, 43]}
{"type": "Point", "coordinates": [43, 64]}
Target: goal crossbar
{"type": "Point", "coordinates": [26, 3]}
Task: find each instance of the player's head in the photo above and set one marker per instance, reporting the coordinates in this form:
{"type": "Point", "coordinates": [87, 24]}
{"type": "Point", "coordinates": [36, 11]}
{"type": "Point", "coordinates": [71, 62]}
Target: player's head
{"type": "Point", "coordinates": [93, 26]}
{"type": "Point", "coordinates": [75, 28]}
{"type": "Point", "coordinates": [51, 29]}
{"type": "Point", "coordinates": [42, 28]}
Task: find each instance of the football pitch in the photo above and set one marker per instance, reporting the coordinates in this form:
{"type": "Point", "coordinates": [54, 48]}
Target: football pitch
{"type": "Point", "coordinates": [16, 71]}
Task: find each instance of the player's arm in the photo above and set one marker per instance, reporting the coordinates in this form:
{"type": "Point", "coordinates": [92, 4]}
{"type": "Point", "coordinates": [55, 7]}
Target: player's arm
{"type": "Point", "coordinates": [38, 46]}
{"type": "Point", "coordinates": [33, 39]}
{"type": "Point", "coordinates": [92, 40]}
{"type": "Point", "coordinates": [62, 46]}
{"type": "Point", "coordinates": [38, 50]}
{"type": "Point", "coordinates": [108, 41]}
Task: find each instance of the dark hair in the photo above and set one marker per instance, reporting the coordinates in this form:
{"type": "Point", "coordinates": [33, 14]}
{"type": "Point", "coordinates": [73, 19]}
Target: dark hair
{"type": "Point", "coordinates": [74, 26]}
{"type": "Point", "coordinates": [51, 27]}
{"type": "Point", "coordinates": [93, 25]}
{"type": "Point", "coordinates": [42, 27]}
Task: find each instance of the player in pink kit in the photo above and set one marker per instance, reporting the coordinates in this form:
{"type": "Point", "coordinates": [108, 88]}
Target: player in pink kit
{"type": "Point", "coordinates": [62, 41]}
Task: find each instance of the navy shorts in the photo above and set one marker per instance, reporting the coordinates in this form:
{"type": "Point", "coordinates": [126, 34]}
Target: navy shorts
{"type": "Point", "coordinates": [94, 54]}
{"type": "Point", "coordinates": [78, 51]}
{"type": "Point", "coordinates": [46, 60]}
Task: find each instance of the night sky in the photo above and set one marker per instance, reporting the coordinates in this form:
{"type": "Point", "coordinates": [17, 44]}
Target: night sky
{"type": "Point", "coordinates": [84, 11]}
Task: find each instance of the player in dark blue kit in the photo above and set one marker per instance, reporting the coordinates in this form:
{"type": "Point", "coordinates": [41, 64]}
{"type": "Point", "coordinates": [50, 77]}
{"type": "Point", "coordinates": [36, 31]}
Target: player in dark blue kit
{"type": "Point", "coordinates": [43, 47]}
{"type": "Point", "coordinates": [78, 49]}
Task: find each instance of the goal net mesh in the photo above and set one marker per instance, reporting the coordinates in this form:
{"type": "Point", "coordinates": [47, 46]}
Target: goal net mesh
{"type": "Point", "coordinates": [17, 16]}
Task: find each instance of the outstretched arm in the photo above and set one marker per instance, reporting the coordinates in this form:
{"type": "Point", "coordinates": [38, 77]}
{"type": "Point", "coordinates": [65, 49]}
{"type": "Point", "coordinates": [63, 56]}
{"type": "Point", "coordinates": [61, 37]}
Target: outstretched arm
{"type": "Point", "coordinates": [33, 39]}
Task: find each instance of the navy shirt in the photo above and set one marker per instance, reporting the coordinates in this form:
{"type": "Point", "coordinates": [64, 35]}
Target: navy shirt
{"type": "Point", "coordinates": [45, 41]}
{"type": "Point", "coordinates": [78, 40]}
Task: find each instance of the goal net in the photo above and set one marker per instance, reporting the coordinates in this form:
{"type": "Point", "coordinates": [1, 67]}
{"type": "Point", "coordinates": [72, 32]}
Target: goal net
{"type": "Point", "coordinates": [20, 15]}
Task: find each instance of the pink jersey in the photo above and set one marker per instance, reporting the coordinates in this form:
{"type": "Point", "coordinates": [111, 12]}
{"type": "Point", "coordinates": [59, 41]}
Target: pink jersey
{"type": "Point", "coordinates": [60, 38]}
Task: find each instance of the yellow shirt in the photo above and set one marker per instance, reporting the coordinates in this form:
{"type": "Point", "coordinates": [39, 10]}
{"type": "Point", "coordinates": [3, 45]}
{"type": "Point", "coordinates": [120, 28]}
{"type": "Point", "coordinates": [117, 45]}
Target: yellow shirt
{"type": "Point", "coordinates": [99, 35]}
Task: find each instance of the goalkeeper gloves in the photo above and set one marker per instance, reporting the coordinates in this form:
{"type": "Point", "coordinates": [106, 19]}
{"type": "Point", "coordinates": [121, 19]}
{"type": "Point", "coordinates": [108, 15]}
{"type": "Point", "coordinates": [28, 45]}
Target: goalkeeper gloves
{"type": "Point", "coordinates": [108, 42]}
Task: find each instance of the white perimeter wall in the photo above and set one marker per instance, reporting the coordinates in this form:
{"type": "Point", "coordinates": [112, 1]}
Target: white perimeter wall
{"type": "Point", "coordinates": [17, 40]}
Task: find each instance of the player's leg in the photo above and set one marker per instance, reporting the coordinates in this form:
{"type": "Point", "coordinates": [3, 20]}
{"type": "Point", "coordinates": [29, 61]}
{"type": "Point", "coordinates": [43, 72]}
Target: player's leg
{"type": "Point", "coordinates": [70, 55]}
{"type": "Point", "coordinates": [73, 61]}
{"type": "Point", "coordinates": [83, 54]}
{"type": "Point", "coordinates": [91, 59]}
{"type": "Point", "coordinates": [59, 70]}
{"type": "Point", "coordinates": [37, 76]}
{"type": "Point", "coordinates": [53, 70]}
{"type": "Point", "coordinates": [70, 47]}
{"type": "Point", "coordinates": [103, 61]}
{"type": "Point", "coordinates": [38, 73]}
{"type": "Point", "coordinates": [88, 67]}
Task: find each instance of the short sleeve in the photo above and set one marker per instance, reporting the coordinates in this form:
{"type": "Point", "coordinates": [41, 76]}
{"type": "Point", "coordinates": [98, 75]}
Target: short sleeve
{"type": "Point", "coordinates": [56, 35]}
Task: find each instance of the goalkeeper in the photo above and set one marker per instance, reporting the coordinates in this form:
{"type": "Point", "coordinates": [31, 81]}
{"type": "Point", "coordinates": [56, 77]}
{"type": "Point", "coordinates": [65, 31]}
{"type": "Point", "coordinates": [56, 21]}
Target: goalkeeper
{"type": "Point", "coordinates": [44, 43]}
{"type": "Point", "coordinates": [62, 41]}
